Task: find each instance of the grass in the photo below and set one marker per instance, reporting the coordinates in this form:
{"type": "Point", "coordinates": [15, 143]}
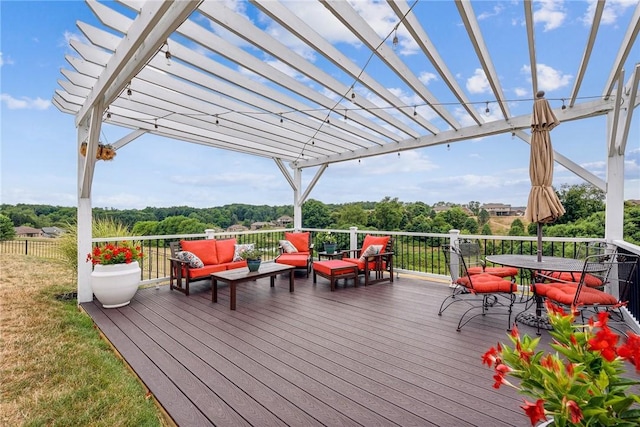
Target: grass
{"type": "Point", "coordinates": [56, 370]}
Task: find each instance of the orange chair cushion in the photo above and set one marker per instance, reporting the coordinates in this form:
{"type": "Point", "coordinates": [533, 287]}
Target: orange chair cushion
{"type": "Point", "coordinates": [486, 283]}
{"type": "Point", "coordinates": [295, 259]}
{"type": "Point", "coordinates": [299, 240]}
{"type": "Point", "coordinates": [226, 248]}
{"type": "Point", "coordinates": [494, 271]}
{"type": "Point", "coordinates": [565, 294]}
{"type": "Point", "coordinates": [590, 280]}
{"type": "Point", "coordinates": [374, 240]}
{"type": "Point", "coordinates": [327, 267]}
{"type": "Point", "coordinates": [203, 249]}
{"type": "Point", "coordinates": [360, 264]}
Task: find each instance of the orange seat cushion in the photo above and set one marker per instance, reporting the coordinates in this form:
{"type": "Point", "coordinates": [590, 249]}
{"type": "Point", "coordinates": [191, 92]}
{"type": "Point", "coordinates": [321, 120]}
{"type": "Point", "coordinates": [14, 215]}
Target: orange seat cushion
{"type": "Point", "coordinates": [327, 267]}
{"type": "Point", "coordinates": [360, 264]}
{"type": "Point", "coordinates": [565, 294]}
{"type": "Point", "coordinates": [235, 264]}
{"type": "Point", "coordinates": [299, 240]}
{"type": "Point", "coordinates": [226, 249]}
{"type": "Point", "coordinates": [203, 249]}
{"type": "Point", "coordinates": [195, 273]}
{"type": "Point", "coordinates": [590, 280]}
{"type": "Point", "coordinates": [295, 259]}
{"type": "Point", "coordinates": [494, 271]}
{"type": "Point", "coordinates": [486, 283]}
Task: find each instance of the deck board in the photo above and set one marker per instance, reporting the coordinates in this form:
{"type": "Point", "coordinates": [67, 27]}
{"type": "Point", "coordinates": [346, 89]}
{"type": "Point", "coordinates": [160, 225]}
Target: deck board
{"type": "Point", "coordinates": [376, 355]}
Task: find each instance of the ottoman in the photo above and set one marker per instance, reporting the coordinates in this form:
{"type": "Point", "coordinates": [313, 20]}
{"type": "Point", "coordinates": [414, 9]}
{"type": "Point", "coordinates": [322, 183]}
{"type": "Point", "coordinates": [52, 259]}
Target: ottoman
{"type": "Point", "coordinates": [335, 269]}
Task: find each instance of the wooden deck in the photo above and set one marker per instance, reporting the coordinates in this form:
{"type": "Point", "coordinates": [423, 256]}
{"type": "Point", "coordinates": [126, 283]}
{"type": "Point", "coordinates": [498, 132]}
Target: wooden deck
{"type": "Point", "coordinates": [376, 355]}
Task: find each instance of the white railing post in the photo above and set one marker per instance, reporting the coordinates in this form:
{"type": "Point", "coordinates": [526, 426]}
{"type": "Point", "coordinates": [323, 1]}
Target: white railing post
{"type": "Point", "coordinates": [210, 233]}
{"type": "Point", "coordinates": [454, 262]}
{"type": "Point", "coordinates": [353, 238]}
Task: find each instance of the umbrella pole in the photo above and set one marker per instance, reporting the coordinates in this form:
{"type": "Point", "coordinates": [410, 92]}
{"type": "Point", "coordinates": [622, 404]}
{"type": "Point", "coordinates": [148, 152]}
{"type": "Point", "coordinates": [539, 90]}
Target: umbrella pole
{"type": "Point", "coordinates": [539, 241]}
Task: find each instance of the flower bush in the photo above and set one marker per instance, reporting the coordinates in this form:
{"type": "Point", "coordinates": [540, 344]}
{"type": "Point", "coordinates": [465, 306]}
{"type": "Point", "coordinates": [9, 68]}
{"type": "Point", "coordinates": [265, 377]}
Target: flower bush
{"type": "Point", "coordinates": [581, 384]}
{"type": "Point", "coordinates": [123, 253]}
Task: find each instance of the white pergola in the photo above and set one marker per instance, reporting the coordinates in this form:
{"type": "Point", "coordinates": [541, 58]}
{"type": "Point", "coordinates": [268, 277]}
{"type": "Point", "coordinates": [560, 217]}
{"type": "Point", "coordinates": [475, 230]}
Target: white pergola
{"type": "Point", "coordinates": [200, 72]}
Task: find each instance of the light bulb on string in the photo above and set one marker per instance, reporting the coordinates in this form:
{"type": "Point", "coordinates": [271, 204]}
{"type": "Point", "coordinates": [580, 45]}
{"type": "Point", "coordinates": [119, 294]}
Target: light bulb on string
{"type": "Point", "coordinates": [155, 123]}
{"type": "Point", "coordinates": [564, 107]}
{"type": "Point", "coordinates": [486, 110]}
{"type": "Point", "coordinates": [415, 111]}
{"type": "Point", "coordinates": [448, 147]}
{"type": "Point", "coordinates": [129, 91]}
{"type": "Point", "coordinates": [217, 121]}
{"type": "Point", "coordinates": [345, 114]}
{"type": "Point", "coordinates": [395, 38]}
{"type": "Point", "coordinates": [281, 120]}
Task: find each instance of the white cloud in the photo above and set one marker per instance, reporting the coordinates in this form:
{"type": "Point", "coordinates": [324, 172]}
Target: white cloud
{"type": "Point", "coordinates": [426, 77]}
{"type": "Point", "coordinates": [551, 13]}
{"type": "Point", "coordinates": [497, 9]}
{"type": "Point", "coordinates": [24, 103]}
{"type": "Point", "coordinates": [520, 91]}
{"type": "Point", "coordinates": [548, 77]}
{"type": "Point", "coordinates": [284, 68]}
{"type": "Point", "coordinates": [5, 61]}
{"type": "Point", "coordinates": [478, 83]}
{"type": "Point", "coordinates": [613, 9]}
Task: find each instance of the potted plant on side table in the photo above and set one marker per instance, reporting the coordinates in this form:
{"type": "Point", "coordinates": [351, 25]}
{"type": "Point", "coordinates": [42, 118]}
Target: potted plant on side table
{"type": "Point", "coordinates": [116, 272]}
{"type": "Point", "coordinates": [253, 257]}
{"type": "Point", "coordinates": [329, 241]}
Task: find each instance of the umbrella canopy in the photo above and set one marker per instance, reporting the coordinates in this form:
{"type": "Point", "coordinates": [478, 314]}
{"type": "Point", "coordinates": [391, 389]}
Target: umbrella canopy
{"type": "Point", "coordinates": [543, 205]}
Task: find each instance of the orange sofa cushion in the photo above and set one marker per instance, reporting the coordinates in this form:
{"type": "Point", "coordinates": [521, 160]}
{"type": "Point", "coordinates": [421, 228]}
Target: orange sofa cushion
{"type": "Point", "coordinates": [566, 293]}
{"type": "Point", "coordinates": [236, 264]}
{"type": "Point", "coordinates": [226, 248]}
{"type": "Point", "coordinates": [295, 259]}
{"type": "Point", "coordinates": [299, 240]}
{"type": "Point", "coordinates": [195, 273]}
{"type": "Point", "coordinates": [203, 249]}
{"type": "Point", "coordinates": [486, 283]}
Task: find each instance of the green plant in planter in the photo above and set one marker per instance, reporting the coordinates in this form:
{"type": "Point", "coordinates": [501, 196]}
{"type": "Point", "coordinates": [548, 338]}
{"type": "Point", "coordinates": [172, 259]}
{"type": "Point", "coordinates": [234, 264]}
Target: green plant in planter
{"type": "Point", "coordinates": [326, 238]}
{"type": "Point", "coordinates": [251, 254]}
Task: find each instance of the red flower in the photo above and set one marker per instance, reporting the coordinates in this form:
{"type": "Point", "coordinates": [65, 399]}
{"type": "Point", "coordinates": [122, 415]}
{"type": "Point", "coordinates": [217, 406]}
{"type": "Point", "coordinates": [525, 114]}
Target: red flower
{"type": "Point", "coordinates": [501, 371]}
{"type": "Point", "coordinates": [490, 357]}
{"type": "Point", "coordinates": [605, 341]}
{"type": "Point", "coordinates": [535, 411]}
{"type": "Point", "coordinates": [631, 350]}
{"type": "Point", "coordinates": [574, 410]}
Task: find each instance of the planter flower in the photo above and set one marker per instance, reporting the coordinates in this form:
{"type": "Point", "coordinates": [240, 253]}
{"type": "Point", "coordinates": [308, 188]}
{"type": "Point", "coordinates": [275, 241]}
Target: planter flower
{"type": "Point", "coordinates": [253, 258]}
{"type": "Point", "coordinates": [328, 240]}
{"type": "Point", "coordinates": [581, 384]}
{"type": "Point", "coordinates": [116, 273]}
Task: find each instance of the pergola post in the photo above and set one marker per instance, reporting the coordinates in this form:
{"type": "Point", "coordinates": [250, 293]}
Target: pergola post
{"type": "Point", "coordinates": [297, 200]}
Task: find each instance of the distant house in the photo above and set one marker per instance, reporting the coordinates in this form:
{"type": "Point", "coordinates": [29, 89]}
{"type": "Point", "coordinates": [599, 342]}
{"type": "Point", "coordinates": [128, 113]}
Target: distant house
{"type": "Point", "coordinates": [260, 225]}
{"type": "Point", "coordinates": [52, 231]}
{"type": "Point", "coordinates": [284, 221]}
{"type": "Point", "coordinates": [497, 209]}
{"type": "Point", "coordinates": [24, 231]}
{"type": "Point", "coordinates": [237, 227]}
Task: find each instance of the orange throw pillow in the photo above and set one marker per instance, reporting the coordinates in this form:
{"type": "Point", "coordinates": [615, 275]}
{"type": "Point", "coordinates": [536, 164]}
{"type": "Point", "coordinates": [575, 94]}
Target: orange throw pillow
{"type": "Point", "coordinates": [375, 240]}
{"type": "Point", "coordinates": [299, 240]}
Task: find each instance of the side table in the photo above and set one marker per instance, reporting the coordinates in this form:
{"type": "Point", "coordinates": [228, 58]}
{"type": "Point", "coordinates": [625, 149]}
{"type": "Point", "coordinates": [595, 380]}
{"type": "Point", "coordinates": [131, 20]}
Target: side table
{"type": "Point", "coordinates": [326, 255]}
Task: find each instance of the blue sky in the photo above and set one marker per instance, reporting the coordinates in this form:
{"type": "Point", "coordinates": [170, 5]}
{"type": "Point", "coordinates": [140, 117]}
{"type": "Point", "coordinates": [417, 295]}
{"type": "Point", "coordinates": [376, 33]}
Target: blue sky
{"type": "Point", "coordinates": [39, 151]}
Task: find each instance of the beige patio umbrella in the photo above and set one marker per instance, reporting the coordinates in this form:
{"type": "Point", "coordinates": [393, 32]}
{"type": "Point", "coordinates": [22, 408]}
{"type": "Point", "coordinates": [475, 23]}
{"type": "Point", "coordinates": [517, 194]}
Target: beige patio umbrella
{"type": "Point", "coordinates": [543, 206]}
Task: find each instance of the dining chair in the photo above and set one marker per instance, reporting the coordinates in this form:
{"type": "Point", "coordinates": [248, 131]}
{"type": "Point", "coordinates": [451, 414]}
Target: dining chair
{"type": "Point", "coordinates": [616, 271]}
{"type": "Point", "coordinates": [583, 251]}
{"type": "Point", "coordinates": [481, 291]}
{"type": "Point", "coordinates": [476, 264]}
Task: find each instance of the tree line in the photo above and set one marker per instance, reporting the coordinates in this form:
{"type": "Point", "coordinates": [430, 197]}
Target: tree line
{"type": "Point", "coordinates": [583, 203]}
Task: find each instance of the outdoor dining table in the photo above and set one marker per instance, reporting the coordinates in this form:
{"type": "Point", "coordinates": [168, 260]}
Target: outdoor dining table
{"type": "Point", "coordinates": [531, 263]}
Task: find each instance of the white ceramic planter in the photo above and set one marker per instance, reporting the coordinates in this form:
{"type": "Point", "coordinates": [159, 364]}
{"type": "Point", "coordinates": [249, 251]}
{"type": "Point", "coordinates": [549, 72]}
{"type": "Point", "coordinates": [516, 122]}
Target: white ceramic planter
{"type": "Point", "coordinates": [115, 285]}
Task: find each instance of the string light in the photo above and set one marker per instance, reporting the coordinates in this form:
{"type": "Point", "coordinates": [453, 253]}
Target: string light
{"type": "Point", "coordinates": [415, 111]}
{"type": "Point", "coordinates": [281, 120]}
{"type": "Point", "coordinates": [129, 91]}
{"type": "Point", "coordinates": [564, 107]}
{"type": "Point", "coordinates": [345, 114]}
{"type": "Point", "coordinates": [448, 147]}
{"type": "Point", "coordinates": [108, 114]}
{"type": "Point", "coordinates": [217, 121]}
{"type": "Point", "coordinates": [486, 110]}
{"type": "Point", "coordinates": [395, 37]}
{"type": "Point", "coordinates": [155, 124]}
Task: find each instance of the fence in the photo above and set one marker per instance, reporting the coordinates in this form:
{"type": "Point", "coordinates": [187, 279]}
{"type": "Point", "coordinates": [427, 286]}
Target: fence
{"type": "Point", "coordinates": [42, 248]}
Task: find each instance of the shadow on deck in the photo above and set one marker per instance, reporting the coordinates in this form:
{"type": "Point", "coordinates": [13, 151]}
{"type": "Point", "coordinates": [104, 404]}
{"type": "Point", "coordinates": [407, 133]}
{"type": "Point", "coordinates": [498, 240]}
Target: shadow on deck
{"type": "Point", "coordinates": [370, 356]}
